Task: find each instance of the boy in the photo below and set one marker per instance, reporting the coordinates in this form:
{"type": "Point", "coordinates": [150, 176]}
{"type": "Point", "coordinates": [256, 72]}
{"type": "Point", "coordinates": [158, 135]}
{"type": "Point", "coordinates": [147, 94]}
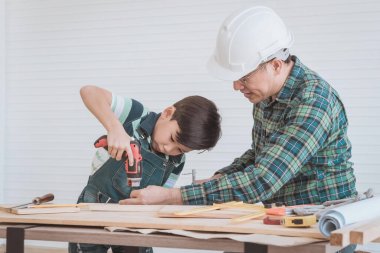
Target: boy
{"type": "Point", "coordinates": [192, 123]}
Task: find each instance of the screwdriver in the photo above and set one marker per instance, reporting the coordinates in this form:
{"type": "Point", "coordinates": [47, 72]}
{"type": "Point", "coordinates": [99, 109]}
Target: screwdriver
{"type": "Point", "coordinates": [38, 200]}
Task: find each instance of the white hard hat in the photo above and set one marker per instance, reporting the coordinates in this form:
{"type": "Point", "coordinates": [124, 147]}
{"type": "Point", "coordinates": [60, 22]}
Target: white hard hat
{"type": "Point", "coordinates": [246, 39]}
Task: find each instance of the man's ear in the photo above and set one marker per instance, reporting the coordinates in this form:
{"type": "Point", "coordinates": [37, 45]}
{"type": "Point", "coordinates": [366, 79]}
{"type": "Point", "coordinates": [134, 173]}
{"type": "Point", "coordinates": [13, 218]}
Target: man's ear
{"type": "Point", "coordinates": [276, 65]}
{"type": "Point", "coordinates": [168, 112]}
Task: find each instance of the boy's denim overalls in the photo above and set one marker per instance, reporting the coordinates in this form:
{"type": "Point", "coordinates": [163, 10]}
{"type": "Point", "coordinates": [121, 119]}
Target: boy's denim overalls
{"type": "Point", "coordinates": [109, 184]}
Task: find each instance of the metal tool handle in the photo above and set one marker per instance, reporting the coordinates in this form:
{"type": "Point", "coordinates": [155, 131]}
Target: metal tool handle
{"type": "Point", "coordinates": [43, 199]}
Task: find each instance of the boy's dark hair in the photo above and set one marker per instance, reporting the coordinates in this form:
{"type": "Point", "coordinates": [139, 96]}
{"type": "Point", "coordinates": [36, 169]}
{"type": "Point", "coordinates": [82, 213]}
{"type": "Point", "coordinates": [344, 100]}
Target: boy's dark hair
{"type": "Point", "coordinates": [199, 122]}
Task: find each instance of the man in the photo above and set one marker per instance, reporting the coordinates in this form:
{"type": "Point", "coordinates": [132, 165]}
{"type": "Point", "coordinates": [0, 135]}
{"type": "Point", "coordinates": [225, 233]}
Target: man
{"type": "Point", "coordinates": [300, 150]}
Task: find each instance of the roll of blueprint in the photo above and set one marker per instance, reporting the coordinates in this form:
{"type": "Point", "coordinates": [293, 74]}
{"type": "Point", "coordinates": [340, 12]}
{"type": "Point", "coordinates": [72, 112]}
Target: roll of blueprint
{"type": "Point", "coordinates": [341, 216]}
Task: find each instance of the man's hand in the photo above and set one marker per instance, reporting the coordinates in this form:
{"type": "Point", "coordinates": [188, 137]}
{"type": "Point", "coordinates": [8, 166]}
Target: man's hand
{"type": "Point", "coordinates": [154, 195]}
{"type": "Point", "coordinates": [200, 181]}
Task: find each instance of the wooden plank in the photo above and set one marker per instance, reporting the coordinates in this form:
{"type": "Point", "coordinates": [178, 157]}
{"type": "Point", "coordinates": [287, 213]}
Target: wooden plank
{"type": "Point", "coordinates": [341, 237]}
{"type": "Point", "coordinates": [110, 207]}
{"type": "Point", "coordinates": [248, 217]}
{"type": "Point", "coordinates": [60, 208]}
{"type": "Point", "coordinates": [366, 232]}
{"type": "Point", "coordinates": [150, 220]}
{"type": "Point", "coordinates": [24, 211]}
{"type": "Point", "coordinates": [198, 209]}
{"type": "Point", "coordinates": [80, 205]}
{"type": "Point", "coordinates": [169, 212]}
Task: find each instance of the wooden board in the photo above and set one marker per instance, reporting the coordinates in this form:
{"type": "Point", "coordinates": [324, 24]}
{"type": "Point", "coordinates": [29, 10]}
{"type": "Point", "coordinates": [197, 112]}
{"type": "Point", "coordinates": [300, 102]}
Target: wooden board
{"type": "Point", "coordinates": [168, 211]}
{"type": "Point", "coordinates": [358, 233]}
{"type": "Point", "coordinates": [148, 219]}
{"type": "Point", "coordinates": [123, 208]}
{"type": "Point", "coordinates": [7, 208]}
{"type": "Point", "coordinates": [366, 232]}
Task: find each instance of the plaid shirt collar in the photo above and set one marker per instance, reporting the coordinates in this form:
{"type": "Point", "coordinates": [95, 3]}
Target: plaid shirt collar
{"type": "Point", "coordinates": [291, 84]}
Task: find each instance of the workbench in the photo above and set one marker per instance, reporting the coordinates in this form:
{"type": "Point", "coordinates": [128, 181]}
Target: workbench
{"type": "Point", "coordinates": [100, 236]}
{"type": "Point", "coordinates": [88, 227]}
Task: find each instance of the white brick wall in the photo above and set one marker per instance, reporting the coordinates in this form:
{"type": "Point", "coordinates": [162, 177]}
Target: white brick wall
{"type": "Point", "coordinates": [2, 95]}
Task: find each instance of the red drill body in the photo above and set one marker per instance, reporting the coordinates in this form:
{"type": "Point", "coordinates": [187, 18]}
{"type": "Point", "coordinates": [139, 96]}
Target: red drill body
{"type": "Point", "coordinates": [134, 172]}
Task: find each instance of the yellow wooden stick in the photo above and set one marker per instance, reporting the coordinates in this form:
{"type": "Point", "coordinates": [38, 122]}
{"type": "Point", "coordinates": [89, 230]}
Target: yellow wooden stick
{"type": "Point", "coordinates": [250, 206]}
{"type": "Point", "coordinates": [247, 217]}
{"type": "Point", "coordinates": [208, 208]}
{"type": "Point", "coordinates": [58, 205]}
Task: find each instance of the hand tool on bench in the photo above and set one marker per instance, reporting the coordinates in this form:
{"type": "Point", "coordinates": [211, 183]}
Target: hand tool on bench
{"type": "Point", "coordinates": [36, 201]}
{"type": "Point", "coordinates": [284, 215]}
{"type": "Point", "coordinates": [134, 172]}
{"type": "Point", "coordinates": [318, 210]}
{"type": "Point", "coordinates": [272, 220]}
{"type": "Point", "coordinates": [307, 215]}
{"type": "Point", "coordinates": [299, 221]}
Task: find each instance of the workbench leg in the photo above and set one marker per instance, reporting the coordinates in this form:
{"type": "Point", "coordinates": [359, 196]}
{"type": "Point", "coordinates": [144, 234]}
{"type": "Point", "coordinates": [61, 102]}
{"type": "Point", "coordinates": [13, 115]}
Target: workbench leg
{"type": "Point", "coordinates": [15, 240]}
{"type": "Point", "coordinates": [255, 248]}
{"type": "Point", "coordinates": [130, 249]}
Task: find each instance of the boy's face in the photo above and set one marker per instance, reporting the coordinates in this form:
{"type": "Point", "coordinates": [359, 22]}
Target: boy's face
{"type": "Point", "coordinates": [164, 135]}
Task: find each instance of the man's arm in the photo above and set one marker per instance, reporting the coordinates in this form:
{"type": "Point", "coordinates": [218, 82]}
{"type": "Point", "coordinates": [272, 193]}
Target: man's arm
{"type": "Point", "coordinates": [154, 195]}
{"type": "Point", "coordinates": [286, 151]}
{"type": "Point", "coordinates": [98, 101]}
{"type": "Point", "coordinates": [239, 163]}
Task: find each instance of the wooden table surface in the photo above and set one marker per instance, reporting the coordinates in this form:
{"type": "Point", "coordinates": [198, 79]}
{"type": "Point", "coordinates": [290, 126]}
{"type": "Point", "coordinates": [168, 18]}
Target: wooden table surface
{"type": "Point", "coordinates": [148, 219]}
{"type": "Point", "coordinates": [87, 226]}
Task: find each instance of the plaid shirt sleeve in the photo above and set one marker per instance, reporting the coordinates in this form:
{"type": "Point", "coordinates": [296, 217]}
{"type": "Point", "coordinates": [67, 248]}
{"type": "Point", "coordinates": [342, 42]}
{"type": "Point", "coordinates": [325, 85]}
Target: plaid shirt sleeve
{"type": "Point", "coordinates": [240, 163]}
{"type": "Point", "coordinates": [304, 132]}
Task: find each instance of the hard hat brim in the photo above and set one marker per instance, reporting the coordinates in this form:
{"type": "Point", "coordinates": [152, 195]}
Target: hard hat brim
{"type": "Point", "coordinates": [222, 73]}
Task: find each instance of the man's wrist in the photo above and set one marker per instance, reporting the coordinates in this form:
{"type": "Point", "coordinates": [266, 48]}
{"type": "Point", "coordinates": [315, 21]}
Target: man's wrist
{"type": "Point", "coordinates": [176, 196]}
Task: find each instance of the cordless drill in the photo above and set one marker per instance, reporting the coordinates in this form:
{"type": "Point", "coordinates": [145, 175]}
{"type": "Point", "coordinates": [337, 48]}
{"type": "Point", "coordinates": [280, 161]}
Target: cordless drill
{"type": "Point", "coordinates": [134, 172]}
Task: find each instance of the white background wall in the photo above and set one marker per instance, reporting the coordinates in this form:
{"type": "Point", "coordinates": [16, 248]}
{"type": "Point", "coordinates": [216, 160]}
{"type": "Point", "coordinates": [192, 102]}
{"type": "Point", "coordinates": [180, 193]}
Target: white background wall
{"type": "Point", "coordinates": [2, 94]}
{"type": "Point", "coordinates": [155, 51]}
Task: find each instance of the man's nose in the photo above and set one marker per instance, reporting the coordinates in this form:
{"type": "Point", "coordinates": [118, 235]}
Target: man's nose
{"type": "Point", "coordinates": [237, 85]}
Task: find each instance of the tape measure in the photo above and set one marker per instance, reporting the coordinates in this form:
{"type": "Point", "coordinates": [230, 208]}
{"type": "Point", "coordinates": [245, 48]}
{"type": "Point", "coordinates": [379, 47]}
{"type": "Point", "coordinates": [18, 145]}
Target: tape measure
{"type": "Point", "coordinates": [299, 221]}
{"type": "Point", "coordinates": [272, 221]}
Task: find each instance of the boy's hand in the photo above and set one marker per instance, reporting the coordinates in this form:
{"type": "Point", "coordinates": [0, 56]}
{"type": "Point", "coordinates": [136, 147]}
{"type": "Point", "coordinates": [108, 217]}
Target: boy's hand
{"type": "Point", "coordinates": [200, 181]}
{"type": "Point", "coordinates": [154, 195]}
{"type": "Point", "coordinates": [118, 142]}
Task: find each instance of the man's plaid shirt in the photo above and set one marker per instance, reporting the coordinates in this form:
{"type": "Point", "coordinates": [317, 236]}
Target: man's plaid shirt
{"type": "Point", "coordinates": [300, 150]}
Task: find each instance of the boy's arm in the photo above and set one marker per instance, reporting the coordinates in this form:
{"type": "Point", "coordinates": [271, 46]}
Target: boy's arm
{"type": "Point", "coordinates": [98, 101]}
